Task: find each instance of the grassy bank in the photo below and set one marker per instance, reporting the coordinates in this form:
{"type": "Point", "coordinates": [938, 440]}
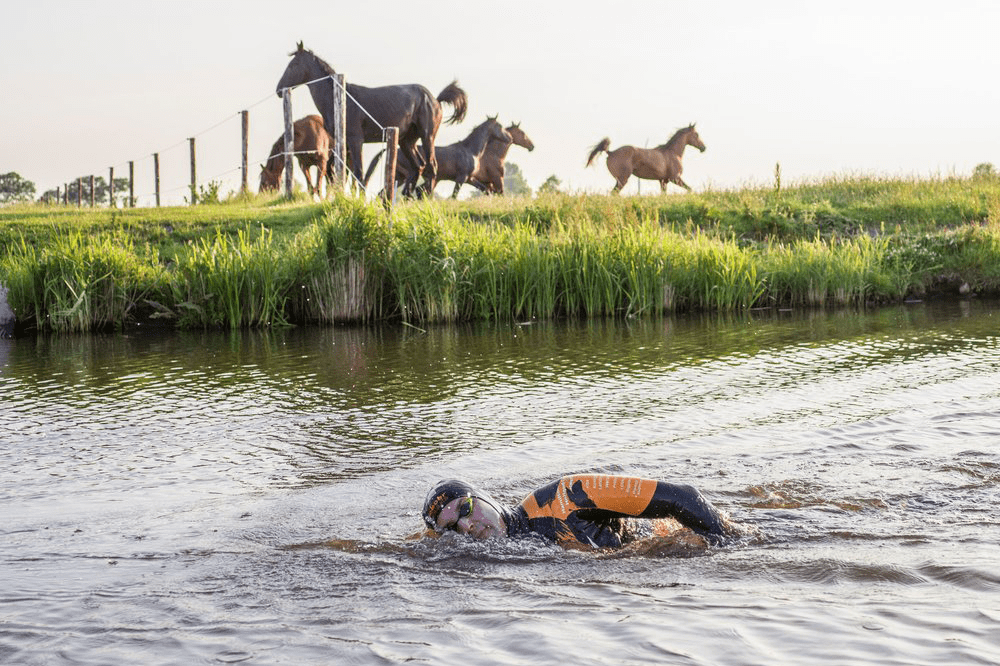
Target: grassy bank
{"type": "Point", "coordinates": [260, 262]}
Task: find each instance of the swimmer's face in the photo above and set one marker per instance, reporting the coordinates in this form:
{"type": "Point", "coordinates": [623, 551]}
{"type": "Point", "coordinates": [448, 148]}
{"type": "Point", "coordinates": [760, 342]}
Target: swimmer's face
{"type": "Point", "coordinates": [473, 516]}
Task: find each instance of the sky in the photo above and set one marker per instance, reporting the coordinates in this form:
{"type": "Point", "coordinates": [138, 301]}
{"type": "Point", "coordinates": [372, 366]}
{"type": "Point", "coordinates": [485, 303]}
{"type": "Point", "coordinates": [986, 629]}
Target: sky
{"type": "Point", "coordinates": [881, 88]}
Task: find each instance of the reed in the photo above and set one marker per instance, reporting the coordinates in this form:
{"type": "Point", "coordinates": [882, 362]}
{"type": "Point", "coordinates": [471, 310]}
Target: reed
{"type": "Point", "coordinates": [232, 282]}
{"type": "Point", "coordinates": [820, 271]}
{"type": "Point", "coordinates": [259, 263]}
{"type": "Point", "coordinates": [79, 283]}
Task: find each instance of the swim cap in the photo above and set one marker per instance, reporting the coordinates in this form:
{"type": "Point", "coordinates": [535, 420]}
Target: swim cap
{"type": "Point", "coordinates": [442, 493]}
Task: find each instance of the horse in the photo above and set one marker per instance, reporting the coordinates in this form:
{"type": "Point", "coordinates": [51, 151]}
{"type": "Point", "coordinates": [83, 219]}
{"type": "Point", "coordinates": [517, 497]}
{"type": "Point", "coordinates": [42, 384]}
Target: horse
{"type": "Point", "coordinates": [457, 161]}
{"type": "Point", "coordinates": [410, 107]}
{"type": "Point", "coordinates": [312, 148]}
{"type": "Point", "coordinates": [488, 176]}
{"type": "Point", "coordinates": [662, 163]}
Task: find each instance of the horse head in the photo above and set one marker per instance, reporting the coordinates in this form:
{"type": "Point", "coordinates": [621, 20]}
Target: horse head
{"type": "Point", "coordinates": [519, 137]}
{"type": "Point", "coordinates": [303, 67]}
{"type": "Point", "coordinates": [496, 130]}
{"type": "Point", "coordinates": [268, 179]}
{"type": "Point", "coordinates": [691, 138]}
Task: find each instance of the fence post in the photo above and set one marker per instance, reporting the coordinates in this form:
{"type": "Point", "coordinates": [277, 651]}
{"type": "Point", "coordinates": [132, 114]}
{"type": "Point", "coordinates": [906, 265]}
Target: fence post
{"type": "Point", "coordinates": [111, 187]}
{"type": "Point", "coordinates": [245, 121]}
{"type": "Point", "coordinates": [66, 194]}
{"type": "Point", "coordinates": [131, 184]}
{"type": "Point", "coordinates": [91, 190]}
{"type": "Point", "coordinates": [156, 176]}
{"type": "Point", "coordinates": [339, 132]}
{"type": "Point", "coordinates": [79, 192]}
{"type": "Point", "coordinates": [286, 99]}
{"type": "Point", "coordinates": [391, 137]}
{"type": "Point", "coordinates": [194, 175]}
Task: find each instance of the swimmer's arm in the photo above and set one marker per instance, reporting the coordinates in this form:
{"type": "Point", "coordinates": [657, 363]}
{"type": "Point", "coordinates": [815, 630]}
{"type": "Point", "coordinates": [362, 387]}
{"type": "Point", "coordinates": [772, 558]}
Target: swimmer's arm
{"type": "Point", "coordinates": [688, 506]}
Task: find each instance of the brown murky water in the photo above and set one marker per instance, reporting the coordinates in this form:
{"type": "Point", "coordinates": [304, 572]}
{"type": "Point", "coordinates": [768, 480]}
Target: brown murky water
{"type": "Point", "coordinates": [152, 484]}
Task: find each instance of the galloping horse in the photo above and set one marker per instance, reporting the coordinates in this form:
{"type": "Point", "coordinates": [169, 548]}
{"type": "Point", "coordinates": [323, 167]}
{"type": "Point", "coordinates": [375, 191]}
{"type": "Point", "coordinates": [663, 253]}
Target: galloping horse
{"type": "Point", "coordinates": [410, 107]}
{"type": "Point", "coordinates": [662, 163]}
{"type": "Point", "coordinates": [312, 147]}
{"type": "Point", "coordinates": [457, 161]}
{"type": "Point", "coordinates": [488, 177]}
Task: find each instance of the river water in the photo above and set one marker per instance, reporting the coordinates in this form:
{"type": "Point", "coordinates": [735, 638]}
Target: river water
{"type": "Point", "coordinates": [166, 497]}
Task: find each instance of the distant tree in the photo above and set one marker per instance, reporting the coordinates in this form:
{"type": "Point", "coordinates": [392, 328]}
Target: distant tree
{"type": "Point", "coordinates": [550, 186]}
{"type": "Point", "coordinates": [14, 188]}
{"type": "Point", "coordinates": [50, 196]}
{"type": "Point", "coordinates": [514, 184]}
{"type": "Point", "coordinates": [984, 171]}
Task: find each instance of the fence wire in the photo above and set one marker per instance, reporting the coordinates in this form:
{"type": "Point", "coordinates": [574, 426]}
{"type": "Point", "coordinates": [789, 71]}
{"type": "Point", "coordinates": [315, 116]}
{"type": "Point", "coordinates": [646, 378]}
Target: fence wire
{"type": "Point", "coordinates": [218, 159]}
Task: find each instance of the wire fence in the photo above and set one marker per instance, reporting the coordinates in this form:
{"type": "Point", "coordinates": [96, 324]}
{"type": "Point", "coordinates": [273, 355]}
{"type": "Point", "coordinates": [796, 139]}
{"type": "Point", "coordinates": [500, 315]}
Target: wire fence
{"type": "Point", "coordinates": [207, 165]}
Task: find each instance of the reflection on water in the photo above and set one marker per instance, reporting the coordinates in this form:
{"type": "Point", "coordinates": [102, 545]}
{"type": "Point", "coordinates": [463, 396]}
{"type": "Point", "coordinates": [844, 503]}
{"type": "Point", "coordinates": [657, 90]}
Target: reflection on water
{"type": "Point", "coordinates": [153, 484]}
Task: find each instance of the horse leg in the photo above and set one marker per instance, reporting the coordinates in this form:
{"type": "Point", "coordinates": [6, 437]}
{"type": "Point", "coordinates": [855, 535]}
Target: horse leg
{"type": "Point", "coordinates": [430, 167]}
{"type": "Point", "coordinates": [322, 184]}
{"type": "Point", "coordinates": [677, 181]}
{"type": "Point", "coordinates": [304, 166]}
{"type": "Point", "coordinates": [354, 165]}
{"type": "Point", "coordinates": [409, 153]}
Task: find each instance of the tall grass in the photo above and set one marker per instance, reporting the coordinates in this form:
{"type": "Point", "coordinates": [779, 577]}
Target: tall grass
{"type": "Point", "coordinates": [78, 283]}
{"type": "Point", "coordinates": [232, 282]}
{"type": "Point", "coordinates": [269, 264]}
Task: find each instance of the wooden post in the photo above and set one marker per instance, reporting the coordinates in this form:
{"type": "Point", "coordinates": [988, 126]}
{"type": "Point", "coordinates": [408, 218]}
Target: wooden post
{"type": "Point", "coordinates": [92, 198]}
{"type": "Point", "coordinates": [245, 116]}
{"type": "Point", "coordinates": [339, 152]}
{"type": "Point", "coordinates": [66, 194]}
{"type": "Point", "coordinates": [391, 136]}
{"type": "Point", "coordinates": [156, 177]}
{"type": "Point", "coordinates": [194, 175]}
{"type": "Point", "coordinates": [111, 187]}
{"type": "Point", "coordinates": [131, 184]}
{"type": "Point", "coordinates": [286, 99]}
{"type": "Point", "coordinates": [79, 192]}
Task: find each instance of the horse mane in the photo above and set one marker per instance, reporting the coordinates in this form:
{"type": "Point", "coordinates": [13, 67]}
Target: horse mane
{"type": "Point", "coordinates": [676, 138]}
{"type": "Point", "coordinates": [324, 65]}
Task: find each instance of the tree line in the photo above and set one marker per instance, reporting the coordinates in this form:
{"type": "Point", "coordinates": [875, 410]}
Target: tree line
{"type": "Point", "coordinates": [16, 189]}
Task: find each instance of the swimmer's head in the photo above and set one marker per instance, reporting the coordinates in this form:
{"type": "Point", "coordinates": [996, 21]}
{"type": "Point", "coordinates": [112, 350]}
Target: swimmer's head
{"type": "Point", "coordinates": [442, 493]}
{"type": "Point", "coordinates": [455, 505]}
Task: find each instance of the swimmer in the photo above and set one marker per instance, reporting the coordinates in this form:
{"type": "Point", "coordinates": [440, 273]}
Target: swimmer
{"type": "Point", "coordinates": [577, 511]}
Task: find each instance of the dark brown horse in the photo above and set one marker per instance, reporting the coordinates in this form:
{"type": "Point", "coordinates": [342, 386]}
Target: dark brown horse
{"type": "Point", "coordinates": [457, 161]}
{"type": "Point", "coordinates": [312, 148]}
{"type": "Point", "coordinates": [410, 107]}
{"type": "Point", "coordinates": [662, 163]}
{"type": "Point", "coordinates": [489, 175]}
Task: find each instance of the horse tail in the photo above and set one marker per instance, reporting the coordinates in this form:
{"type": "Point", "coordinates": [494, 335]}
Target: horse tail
{"type": "Point", "coordinates": [371, 167]}
{"type": "Point", "coordinates": [455, 96]}
{"type": "Point", "coordinates": [602, 147]}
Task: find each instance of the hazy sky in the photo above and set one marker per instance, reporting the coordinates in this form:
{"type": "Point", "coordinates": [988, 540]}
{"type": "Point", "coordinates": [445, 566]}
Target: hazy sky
{"type": "Point", "coordinates": [882, 87]}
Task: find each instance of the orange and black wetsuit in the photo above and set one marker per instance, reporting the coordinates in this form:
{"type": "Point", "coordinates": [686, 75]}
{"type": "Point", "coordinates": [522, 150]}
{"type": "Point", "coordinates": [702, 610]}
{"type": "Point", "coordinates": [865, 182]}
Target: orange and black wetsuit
{"type": "Point", "coordinates": [592, 509]}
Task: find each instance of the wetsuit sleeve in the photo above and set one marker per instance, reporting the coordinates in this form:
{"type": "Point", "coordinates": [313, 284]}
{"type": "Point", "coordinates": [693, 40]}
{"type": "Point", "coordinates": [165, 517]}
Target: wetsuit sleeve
{"type": "Point", "coordinates": [626, 496]}
{"type": "Point", "coordinates": [685, 504]}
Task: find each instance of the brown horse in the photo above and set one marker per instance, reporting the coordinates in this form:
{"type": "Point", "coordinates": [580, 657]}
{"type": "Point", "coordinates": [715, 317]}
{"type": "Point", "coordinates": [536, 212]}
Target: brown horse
{"type": "Point", "coordinates": [662, 163]}
{"type": "Point", "coordinates": [457, 161]}
{"type": "Point", "coordinates": [488, 177]}
{"type": "Point", "coordinates": [312, 148]}
{"type": "Point", "coordinates": [410, 107]}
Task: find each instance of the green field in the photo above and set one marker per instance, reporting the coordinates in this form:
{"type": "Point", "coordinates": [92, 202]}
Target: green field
{"type": "Point", "coordinates": [254, 261]}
